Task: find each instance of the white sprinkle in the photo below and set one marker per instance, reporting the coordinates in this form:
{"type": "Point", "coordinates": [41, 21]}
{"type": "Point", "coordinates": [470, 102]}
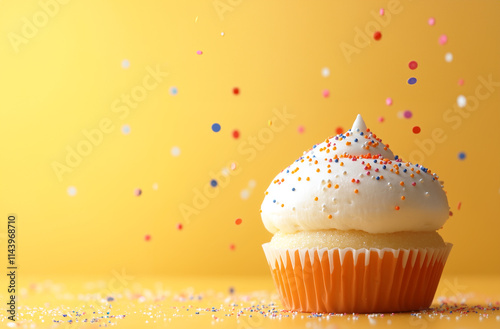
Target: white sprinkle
{"type": "Point", "coordinates": [461, 101]}
{"type": "Point", "coordinates": [448, 57]}
{"type": "Point", "coordinates": [175, 151]}
{"type": "Point", "coordinates": [325, 72]}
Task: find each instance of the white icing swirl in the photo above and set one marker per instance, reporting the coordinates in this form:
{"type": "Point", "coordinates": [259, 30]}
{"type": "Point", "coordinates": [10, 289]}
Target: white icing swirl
{"type": "Point", "coordinates": [354, 182]}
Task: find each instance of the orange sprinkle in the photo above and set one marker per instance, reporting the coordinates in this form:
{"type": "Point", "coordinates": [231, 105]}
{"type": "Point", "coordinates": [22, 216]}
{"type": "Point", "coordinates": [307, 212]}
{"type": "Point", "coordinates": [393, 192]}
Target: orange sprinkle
{"type": "Point", "coordinates": [412, 175]}
{"type": "Point", "coordinates": [328, 151]}
{"type": "Point", "coordinates": [330, 216]}
{"type": "Point", "coordinates": [347, 143]}
{"type": "Point", "coordinates": [418, 171]}
{"type": "Point", "coordinates": [397, 207]}
{"type": "Point", "coordinates": [334, 148]}
{"type": "Point", "coordinates": [316, 162]}
{"type": "Point", "coordinates": [353, 180]}
{"type": "Point", "coordinates": [307, 178]}
{"type": "Point", "coordinates": [341, 164]}
{"type": "Point", "coordinates": [282, 205]}
{"type": "Point", "coordinates": [381, 177]}
{"type": "Point", "coordinates": [356, 191]}
{"type": "Point", "coordinates": [317, 170]}
{"type": "Point", "coordinates": [316, 199]}
{"type": "Point", "coordinates": [267, 193]}
{"type": "Point", "coordinates": [402, 183]}
{"type": "Point", "coordinates": [336, 185]}
{"type": "Point", "coordinates": [329, 170]}
{"type": "Point", "coordinates": [329, 185]}
{"type": "Point", "coordinates": [328, 166]}
{"type": "Point", "coordinates": [403, 197]}
{"type": "Point", "coordinates": [299, 179]}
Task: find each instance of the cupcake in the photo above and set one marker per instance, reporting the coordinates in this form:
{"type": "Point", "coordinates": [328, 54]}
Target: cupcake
{"type": "Point", "coordinates": [355, 228]}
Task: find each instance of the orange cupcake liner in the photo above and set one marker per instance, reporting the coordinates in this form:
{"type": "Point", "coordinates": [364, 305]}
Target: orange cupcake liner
{"type": "Point", "coordinates": [356, 280]}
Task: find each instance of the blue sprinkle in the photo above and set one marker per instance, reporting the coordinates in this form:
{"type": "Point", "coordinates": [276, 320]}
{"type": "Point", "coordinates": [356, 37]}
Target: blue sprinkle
{"type": "Point", "coordinates": [405, 170]}
{"type": "Point", "coordinates": [293, 189]}
{"type": "Point", "coordinates": [213, 182]}
{"type": "Point", "coordinates": [396, 157]}
{"type": "Point", "coordinates": [356, 140]}
{"type": "Point", "coordinates": [287, 171]}
{"type": "Point", "coordinates": [336, 160]}
{"type": "Point", "coordinates": [375, 161]}
{"type": "Point", "coordinates": [378, 178]}
{"type": "Point", "coordinates": [314, 146]}
{"type": "Point", "coordinates": [173, 91]}
{"type": "Point", "coordinates": [462, 155]}
{"type": "Point", "coordinates": [412, 81]}
{"type": "Point", "coordinates": [274, 201]}
{"type": "Point", "coordinates": [361, 133]}
{"type": "Point", "coordinates": [399, 164]}
{"type": "Point", "coordinates": [384, 166]}
{"type": "Point", "coordinates": [216, 127]}
{"type": "Point", "coordinates": [110, 299]}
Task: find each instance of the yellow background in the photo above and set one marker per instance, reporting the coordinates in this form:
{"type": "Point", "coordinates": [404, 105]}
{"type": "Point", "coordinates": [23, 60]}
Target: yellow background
{"type": "Point", "coordinates": [65, 77]}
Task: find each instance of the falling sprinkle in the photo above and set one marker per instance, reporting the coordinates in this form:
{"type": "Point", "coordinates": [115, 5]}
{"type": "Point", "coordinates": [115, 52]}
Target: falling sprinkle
{"type": "Point", "coordinates": [147, 237]}
{"type": "Point", "coordinates": [412, 81]}
{"type": "Point", "coordinates": [175, 151]}
{"type": "Point", "coordinates": [236, 90]}
{"type": "Point", "coordinates": [388, 101]}
{"type": "Point", "coordinates": [232, 246]}
{"type": "Point", "coordinates": [252, 183]}
{"type": "Point", "coordinates": [199, 52]}
{"type": "Point", "coordinates": [407, 114]}
{"type": "Point", "coordinates": [461, 82]}
{"type": "Point", "coordinates": [213, 183]}
{"type": "Point", "coordinates": [125, 64]}
{"type": "Point", "coordinates": [238, 221]}
{"type": "Point", "coordinates": [196, 19]}
{"type": "Point", "coordinates": [126, 129]}
{"type": "Point", "coordinates": [448, 57]}
{"type": "Point", "coordinates": [397, 207]}
{"type": "Point", "coordinates": [443, 39]}
{"type": "Point", "coordinates": [71, 191]}
{"type": "Point", "coordinates": [216, 127]}
{"type": "Point", "coordinates": [155, 186]}
{"type": "Point", "coordinates": [377, 35]}
{"type": "Point", "coordinates": [459, 205]}
{"type": "Point", "coordinates": [137, 192]}
{"type": "Point", "coordinates": [222, 34]}
{"type": "Point", "coordinates": [233, 166]}
{"type": "Point", "coordinates": [326, 93]}
{"type": "Point", "coordinates": [173, 91]}
{"type": "Point", "coordinates": [416, 130]}
{"type": "Point", "coordinates": [413, 65]}
{"type": "Point", "coordinates": [236, 134]}
{"type": "Point", "coordinates": [301, 129]}
{"type": "Point", "coordinates": [381, 119]}
{"type": "Point", "coordinates": [339, 130]}
{"type": "Point", "coordinates": [381, 11]}
{"type": "Point", "coordinates": [462, 156]}
{"type": "Point", "coordinates": [179, 226]}
{"type": "Point", "coordinates": [245, 194]}
{"type": "Point", "coordinates": [270, 123]}
{"type": "Point", "coordinates": [461, 101]}
{"type": "Point", "coordinates": [431, 21]}
{"type": "Point", "coordinates": [325, 72]}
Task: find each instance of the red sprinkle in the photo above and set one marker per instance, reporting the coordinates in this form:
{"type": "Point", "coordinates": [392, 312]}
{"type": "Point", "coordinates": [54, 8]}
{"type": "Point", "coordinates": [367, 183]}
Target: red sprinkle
{"type": "Point", "coordinates": [377, 35]}
{"type": "Point", "coordinates": [179, 226]}
{"type": "Point", "coordinates": [413, 65]}
{"type": "Point", "coordinates": [232, 246]}
{"type": "Point", "coordinates": [459, 205]}
{"type": "Point", "coordinates": [238, 221]}
{"type": "Point", "coordinates": [236, 134]}
{"type": "Point", "coordinates": [147, 237]}
{"type": "Point", "coordinates": [416, 130]}
{"type": "Point", "coordinates": [236, 91]}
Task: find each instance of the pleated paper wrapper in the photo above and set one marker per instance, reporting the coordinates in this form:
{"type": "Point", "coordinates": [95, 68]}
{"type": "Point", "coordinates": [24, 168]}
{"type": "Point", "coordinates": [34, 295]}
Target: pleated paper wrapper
{"type": "Point", "coordinates": [356, 280]}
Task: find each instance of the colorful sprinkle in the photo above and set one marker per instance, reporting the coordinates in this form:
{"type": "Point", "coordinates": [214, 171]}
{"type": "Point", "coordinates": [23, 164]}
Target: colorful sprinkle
{"type": "Point", "coordinates": [213, 183]}
{"type": "Point", "coordinates": [407, 114]}
{"type": "Point", "coordinates": [325, 72]}
{"type": "Point", "coordinates": [380, 119]}
{"type": "Point", "coordinates": [125, 64]}
{"type": "Point", "coordinates": [238, 221]}
{"type": "Point", "coordinates": [443, 39]}
{"type": "Point", "coordinates": [147, 237]}
{"type": "Point", "coordinates": [377, 35]}
{"type": "Point", "coordinates": [431, 21]}
{"type": "Point", "coordinates": [236, 90]}
{"type": "Point", "coordinates": [232, 246]}
{"type": "Point", "coordinates": [448, 57]}
{"type": "Point", "coordinates": [175, 151]}
{"type": "Point", "coordinates": [326, 93]}
{"type": "Point", "coordinates": [179, 226]}
{"type": "Point", "coordinates": [216, 127]}
{"type": "Point", "coordinates": [137, 192]}
{"type": "Point", "coordinates": [461, 82]}
{"type": "Point", "coordinates": [412, 81]}
{"type": "Point", "coordinates": [126, 129]}
{"type": "Point", "coordinates": [413, 65]}
{"type": "Point", "coordinates": [397, 207]}
{"type": "Point", "coordinates": [173, 91]}
{"type": "Point", "coordinates": [461, 101]}
{"type": "Point", "coordinates": [416, 130]}
{"type": "Point", "coordinates": [388, 101]}
{"type": "Point", "coordinates": [71, 191]}
{"type": "Point", "coordinates": [462, 155]}
{"type": "Point", "coordinates": [381, 11]}
{"type": "Point", "coordinates": [236, 134]}
{"type": "Point", "coordinates": [339, 130]}
{"type": "Point", "coordinates": [199, 52]}
{"type": "Point", "coordinates": [301, 129]}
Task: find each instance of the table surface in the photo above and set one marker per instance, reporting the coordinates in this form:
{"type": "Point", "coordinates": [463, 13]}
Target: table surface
{"type": "Point", "coordinates": [121, 300]}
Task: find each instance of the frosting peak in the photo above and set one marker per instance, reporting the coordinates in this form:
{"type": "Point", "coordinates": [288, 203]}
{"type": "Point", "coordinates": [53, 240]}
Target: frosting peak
{"type": "Point", "coordinates": [353, 181]}
{"type": "Point", "coordinates": [359, 124]}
